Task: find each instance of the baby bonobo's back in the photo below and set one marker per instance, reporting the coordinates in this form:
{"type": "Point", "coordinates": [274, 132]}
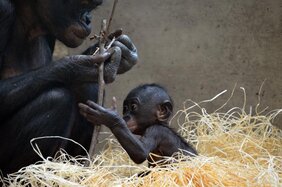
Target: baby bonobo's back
{"type": "Point", "coordinates": [168, 142]}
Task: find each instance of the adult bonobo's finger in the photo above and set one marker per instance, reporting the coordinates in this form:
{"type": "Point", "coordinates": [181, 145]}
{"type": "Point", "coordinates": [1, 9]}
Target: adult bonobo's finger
{"type": "Point", "coordinates": [95, 106]}
{"type": "Point", "coordinates": [112, 65]}
{"type": "Point", "coordinates": [89, 60]}
{"type": "Point", "coordinates": [125, 40]}
{"type": "Point", "coordinates": [114, 103]}
{"type": "Point", "coordinates": [99, 58]}
{"type": "Point", "coordinates": [115, 34]}
{"type": "Point", "coordinates": [128, 54]}
{"type": "Point", "coordinates": [115, 54]}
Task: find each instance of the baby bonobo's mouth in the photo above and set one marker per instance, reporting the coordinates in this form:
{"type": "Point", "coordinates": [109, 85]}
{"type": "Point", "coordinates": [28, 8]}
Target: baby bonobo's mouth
{"type": "Point", "coordinates": [131, 124]}
{"type": "Point", "coordinates": [131, 127]}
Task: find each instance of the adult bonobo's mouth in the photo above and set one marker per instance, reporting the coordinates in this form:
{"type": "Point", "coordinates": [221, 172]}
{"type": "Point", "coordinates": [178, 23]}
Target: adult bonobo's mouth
{"type": "Point", "coordinates": [77, 22]}
{"type": "Point", "coordinates": [77, 32]}
{"type": "Point", "coordinates": [85, 24]}
{"type": "Point", "coordinates": [86, 18]}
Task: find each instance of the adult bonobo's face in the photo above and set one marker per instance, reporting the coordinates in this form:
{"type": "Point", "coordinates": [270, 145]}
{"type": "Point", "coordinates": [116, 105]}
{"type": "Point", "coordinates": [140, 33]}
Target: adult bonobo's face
{"type": "Point", "coordinates": [68, 20]}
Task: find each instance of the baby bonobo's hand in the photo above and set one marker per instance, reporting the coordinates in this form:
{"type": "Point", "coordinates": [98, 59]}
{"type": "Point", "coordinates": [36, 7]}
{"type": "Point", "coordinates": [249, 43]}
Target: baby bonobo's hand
{"type": "Point", "coordinates": [99, 115]}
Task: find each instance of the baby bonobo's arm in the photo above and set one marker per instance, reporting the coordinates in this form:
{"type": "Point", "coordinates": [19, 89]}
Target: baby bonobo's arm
{"type": "Point", "coordinates": [137, 148]}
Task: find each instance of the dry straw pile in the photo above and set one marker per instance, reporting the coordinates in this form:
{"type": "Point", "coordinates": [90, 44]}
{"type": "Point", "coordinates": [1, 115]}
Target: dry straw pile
{"type": "Point", "coordinates": [236, 149]}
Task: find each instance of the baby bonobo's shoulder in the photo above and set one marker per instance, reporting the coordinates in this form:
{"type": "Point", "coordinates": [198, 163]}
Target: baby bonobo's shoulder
{"type": "Point", "coordinates": [158, 126]}
{"type": "Point", "coordinates": [160, 129]}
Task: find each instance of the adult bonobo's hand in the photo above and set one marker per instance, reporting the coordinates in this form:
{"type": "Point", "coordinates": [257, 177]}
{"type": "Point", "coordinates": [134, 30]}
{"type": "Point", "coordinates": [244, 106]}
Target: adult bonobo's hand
{"type": "Point", "coordinates": [79, 69]}
{"type": "Point", "coordinates": [129, 55]}
{"type": "Point", "coordinates": [97, 114]}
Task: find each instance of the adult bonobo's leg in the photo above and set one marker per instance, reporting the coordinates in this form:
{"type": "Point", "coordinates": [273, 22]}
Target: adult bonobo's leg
{"type": "Point", "coordinates": [52, 113]}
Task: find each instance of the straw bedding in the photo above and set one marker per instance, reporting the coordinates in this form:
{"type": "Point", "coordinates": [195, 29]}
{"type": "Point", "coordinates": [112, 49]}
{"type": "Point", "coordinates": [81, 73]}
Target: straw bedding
{"type": "Point", "coordinates": [236, 149]}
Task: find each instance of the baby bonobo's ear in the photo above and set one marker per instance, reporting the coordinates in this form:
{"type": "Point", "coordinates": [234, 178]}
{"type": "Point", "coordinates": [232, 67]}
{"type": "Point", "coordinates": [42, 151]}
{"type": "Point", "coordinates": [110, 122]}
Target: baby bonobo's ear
{"type": "Point", "coordinates": [164, 111]}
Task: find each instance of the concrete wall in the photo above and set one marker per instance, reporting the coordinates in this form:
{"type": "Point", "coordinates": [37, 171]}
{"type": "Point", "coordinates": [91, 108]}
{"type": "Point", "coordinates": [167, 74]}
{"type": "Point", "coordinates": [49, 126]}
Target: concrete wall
{"type": "Point", "coordinates": [197, 48]}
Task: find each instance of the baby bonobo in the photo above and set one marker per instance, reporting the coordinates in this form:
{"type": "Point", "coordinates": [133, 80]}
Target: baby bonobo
{"type": "Point", "coordinates": [144, 126]}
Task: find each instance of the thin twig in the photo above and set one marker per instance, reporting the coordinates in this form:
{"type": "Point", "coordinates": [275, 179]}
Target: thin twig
{"type": "Point", "coordinates": [101, 81]}
{"type": "Point", "coordinates": [111, 17]}
{"type": "Point", "coordinates": [106, 48]}
{"type": "Point", "coordinates": [102, 42]}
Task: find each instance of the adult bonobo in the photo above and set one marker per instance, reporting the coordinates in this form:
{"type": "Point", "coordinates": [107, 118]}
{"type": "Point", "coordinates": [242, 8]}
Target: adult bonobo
{"type": "Point", "coordinates": [39, 96]}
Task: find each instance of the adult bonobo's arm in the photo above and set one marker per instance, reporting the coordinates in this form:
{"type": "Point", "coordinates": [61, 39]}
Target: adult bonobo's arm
{"type": "Point", "coordinates": [17, 91]}
{"type": "Point", "coordinates": [137, 148]}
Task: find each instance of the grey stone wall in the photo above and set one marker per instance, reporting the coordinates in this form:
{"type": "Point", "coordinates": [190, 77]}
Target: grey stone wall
{"type": "Point", "coordinates": [197, 48]}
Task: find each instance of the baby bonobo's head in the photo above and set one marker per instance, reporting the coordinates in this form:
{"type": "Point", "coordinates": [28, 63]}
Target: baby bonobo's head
{"type": "Point", "coordinates": [147, 105]}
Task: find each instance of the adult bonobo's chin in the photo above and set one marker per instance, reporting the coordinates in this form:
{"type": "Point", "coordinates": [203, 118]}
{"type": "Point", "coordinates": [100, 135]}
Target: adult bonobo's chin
{"type": "Point", "coordinates": [68, 20]}
{"type": "Point", "coordinates": [39, 96]}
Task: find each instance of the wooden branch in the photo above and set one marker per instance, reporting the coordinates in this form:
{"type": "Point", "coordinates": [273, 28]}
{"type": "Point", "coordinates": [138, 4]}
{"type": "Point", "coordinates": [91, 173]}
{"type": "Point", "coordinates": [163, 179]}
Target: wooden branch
{"type": "Point", "coordinates": [101, 81]}
{"type": "Point", "coordinates": [106, 48]}
{"type": "Point", "coordinates": [102, 43]}
{"type": "Point", "coordinates": [111, 17]}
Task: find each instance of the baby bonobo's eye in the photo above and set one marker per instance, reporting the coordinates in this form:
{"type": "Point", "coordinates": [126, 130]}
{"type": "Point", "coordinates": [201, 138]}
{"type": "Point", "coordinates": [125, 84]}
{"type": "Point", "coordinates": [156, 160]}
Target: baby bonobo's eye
{"type": "Point", "coordinates": [134, 107]}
